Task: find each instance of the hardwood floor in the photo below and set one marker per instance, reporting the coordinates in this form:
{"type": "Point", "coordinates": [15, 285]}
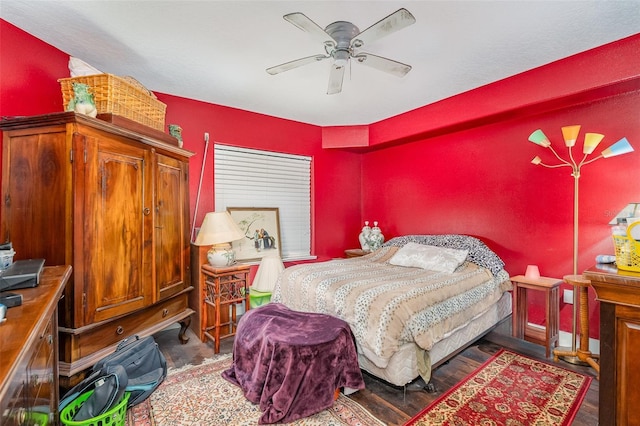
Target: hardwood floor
{"type": "Point", "coordinates": [394, 405]}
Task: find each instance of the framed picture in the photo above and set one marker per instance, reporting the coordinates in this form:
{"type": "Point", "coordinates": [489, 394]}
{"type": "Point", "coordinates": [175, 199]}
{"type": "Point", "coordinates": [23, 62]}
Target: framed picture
{"type": "Point", "coordinates": [261, 228]}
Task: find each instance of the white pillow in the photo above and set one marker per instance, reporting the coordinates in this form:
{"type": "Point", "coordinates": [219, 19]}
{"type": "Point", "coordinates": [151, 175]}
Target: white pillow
{"type": "Point", "coordinates": [432, 258]}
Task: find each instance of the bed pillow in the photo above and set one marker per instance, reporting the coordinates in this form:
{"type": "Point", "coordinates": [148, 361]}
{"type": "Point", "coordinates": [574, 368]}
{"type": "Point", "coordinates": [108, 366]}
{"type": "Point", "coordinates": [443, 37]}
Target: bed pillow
{"type": "Point", "coordinates": [479, 253]}
{"type": "Point", "coordinates": [432, 258]}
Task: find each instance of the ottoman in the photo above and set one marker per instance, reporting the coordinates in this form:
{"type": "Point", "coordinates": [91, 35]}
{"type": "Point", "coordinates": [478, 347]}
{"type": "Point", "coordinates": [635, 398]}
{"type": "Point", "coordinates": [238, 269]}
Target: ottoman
{"type": "Point", "coordinates": [291, 363]}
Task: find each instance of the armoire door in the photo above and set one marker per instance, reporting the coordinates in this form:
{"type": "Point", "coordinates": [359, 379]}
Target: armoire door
{"type": "Point", "coordinates": [171, 226]}
{"type": "Point", "coordinates": [117, 245]}
{"type": "Point", "coordinates": [36, 175]}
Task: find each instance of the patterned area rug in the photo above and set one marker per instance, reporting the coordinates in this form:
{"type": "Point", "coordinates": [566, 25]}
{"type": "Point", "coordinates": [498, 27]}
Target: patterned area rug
{"type": "Point", "coordinates": [198, 395]}
{"type": "Point", "coordinates": [509, 389]}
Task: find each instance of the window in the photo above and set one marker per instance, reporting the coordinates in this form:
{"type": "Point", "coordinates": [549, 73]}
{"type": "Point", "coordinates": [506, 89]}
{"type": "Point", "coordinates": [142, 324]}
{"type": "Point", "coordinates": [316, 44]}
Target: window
{"type": "Point", "coordinates": [254, 178]}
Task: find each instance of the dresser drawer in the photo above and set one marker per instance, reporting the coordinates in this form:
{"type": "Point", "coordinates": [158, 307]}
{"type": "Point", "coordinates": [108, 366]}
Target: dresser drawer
{"type": "Point", "coordinates": [88, 345]}
{"type": "Point", "coordinates": [118, 329]}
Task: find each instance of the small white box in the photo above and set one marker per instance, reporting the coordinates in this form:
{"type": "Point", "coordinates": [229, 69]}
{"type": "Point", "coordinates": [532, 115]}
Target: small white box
{"type": "Point", "coordinates": [6, 258]}
{"type": "Point", "coordinates": [567, 297]}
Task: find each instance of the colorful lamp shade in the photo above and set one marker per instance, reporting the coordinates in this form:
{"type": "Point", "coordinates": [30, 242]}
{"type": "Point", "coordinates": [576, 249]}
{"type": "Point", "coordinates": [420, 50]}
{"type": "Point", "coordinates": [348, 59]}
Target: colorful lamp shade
{"type": "Point", "coordinates": [621, 147]}
{"type": "Point", "coordinates": [538, 137]}
{"type": "Point", "coordinates": [219, 230]}
{"type": "Point", "coordinates": [591, 141]}
{"type": "Point", "coordinates": [570, 134]}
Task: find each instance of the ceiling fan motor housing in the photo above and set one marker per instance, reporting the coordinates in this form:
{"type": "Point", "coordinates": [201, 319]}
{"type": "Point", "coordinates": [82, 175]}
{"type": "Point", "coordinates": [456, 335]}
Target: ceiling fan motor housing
{"type": "Point", "coordinates": [342, 32]}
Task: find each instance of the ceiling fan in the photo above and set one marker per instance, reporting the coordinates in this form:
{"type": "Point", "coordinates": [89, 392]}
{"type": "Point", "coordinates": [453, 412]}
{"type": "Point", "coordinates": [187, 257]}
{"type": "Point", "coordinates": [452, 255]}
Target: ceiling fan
{"type": "Point", "coordinates": [343, 40]}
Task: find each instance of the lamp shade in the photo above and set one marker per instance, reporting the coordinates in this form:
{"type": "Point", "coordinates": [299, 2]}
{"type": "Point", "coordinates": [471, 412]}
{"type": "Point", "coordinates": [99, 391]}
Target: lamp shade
{"type": "Point", "coordinates": [218, 228]}
{"type": "Point", "coordinates": [538, 137]}
{"type": "Point", "coordinates": [570, 134]}
{"type": "Point", "coordinates": [270, 267]}
{"type": "Point", "coordinates": [621, 147]}
{"type": "Point", "coordinates": [532, 272]}
{"type": "Point", "coordinates": [591, 141]}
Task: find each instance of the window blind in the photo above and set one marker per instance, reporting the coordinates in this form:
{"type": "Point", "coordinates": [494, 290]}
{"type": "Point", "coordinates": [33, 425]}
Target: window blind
{"type": "Point", "coordinates": [255, 178]}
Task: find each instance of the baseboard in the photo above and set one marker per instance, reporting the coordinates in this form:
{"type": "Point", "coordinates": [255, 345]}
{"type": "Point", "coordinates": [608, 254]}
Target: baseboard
{"type": "Point", "coordinates": [564, 339]}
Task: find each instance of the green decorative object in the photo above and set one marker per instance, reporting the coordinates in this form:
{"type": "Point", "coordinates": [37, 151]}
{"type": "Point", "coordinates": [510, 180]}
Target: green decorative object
{"type": "Point", "coordinates": [176, 131]}
{"type": "Point", "coordinates": [83, 101]}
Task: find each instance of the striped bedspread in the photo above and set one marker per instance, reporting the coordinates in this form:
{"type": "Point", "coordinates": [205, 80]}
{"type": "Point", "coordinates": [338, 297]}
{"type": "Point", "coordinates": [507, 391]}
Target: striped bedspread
{"type": "Point", "coordinates": [386, 305]}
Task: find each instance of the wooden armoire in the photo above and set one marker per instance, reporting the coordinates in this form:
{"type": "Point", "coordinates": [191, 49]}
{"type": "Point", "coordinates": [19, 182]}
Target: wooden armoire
{"type": "Point", "coordinates": [113, 203]}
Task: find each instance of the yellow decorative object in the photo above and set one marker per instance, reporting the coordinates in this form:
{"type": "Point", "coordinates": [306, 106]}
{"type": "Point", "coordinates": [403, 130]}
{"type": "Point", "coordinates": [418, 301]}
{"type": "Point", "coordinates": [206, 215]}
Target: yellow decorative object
{"type": "Point", "coordinates": [627, 250]}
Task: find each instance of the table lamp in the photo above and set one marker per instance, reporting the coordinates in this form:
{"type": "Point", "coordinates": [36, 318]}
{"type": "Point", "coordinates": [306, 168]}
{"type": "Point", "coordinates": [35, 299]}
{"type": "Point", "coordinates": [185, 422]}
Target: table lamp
{"type": "Point", "coordinates": [219, 230]}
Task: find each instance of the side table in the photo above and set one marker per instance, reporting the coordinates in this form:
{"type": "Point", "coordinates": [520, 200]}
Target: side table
{"type": "Point", "coordinates": [548, 337]}
{"type": "Point", "coordinates": [223, 288]}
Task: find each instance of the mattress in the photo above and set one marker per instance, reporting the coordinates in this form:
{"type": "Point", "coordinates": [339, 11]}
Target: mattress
{"type": "Point", "coordinates": [403, 366]}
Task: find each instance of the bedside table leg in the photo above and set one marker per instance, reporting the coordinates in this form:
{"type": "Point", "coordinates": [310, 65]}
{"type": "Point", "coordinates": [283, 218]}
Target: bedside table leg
{"type": "Point", "coordinates": [521, 314]}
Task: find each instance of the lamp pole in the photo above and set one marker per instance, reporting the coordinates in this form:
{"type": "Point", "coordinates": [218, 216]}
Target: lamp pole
{"type": "Point", "coordinates": [574, 322]}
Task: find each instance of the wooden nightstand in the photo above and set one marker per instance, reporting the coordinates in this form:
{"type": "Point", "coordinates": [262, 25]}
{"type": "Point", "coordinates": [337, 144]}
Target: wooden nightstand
{"type": "Point", "coordinates": [547, 336]}
{"type": "Point", "coordinates": [355, 253]}
{"type": "Point", "coordinates": [223, 289]}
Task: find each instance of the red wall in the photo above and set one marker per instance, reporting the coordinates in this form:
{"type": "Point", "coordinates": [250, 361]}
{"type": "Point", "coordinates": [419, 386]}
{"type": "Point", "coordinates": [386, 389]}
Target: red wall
{"type": "Point", "coordinates": [476, 177]}
{"type": "Point", "coordinates": [335, 204]}
{"type": "Point", "coordinates": [29, 69]}
{"type": "Point", "coordinates": [458, 166]}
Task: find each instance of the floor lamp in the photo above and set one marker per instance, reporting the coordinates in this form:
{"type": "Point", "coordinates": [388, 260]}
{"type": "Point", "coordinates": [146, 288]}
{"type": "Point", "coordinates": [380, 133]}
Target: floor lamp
{"type": "Point", "coordinates": [591, 141]}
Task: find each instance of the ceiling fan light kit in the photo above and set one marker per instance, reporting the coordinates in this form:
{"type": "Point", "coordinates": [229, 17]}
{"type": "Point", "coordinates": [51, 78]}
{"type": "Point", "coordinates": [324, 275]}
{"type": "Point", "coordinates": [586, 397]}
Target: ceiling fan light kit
{"type": "Point", "coordinates": [342, 41]}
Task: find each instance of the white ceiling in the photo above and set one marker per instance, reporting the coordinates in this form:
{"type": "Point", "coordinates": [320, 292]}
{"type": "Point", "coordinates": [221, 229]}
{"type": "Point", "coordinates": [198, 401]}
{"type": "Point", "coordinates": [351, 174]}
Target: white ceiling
{"type": "Point", "coordinates": [217, 51]}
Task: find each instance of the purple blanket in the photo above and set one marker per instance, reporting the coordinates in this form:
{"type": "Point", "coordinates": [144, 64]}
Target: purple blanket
{"type": "Point", "coordinates": [292, 362]}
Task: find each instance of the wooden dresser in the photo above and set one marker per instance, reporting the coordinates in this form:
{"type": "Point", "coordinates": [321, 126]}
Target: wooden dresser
{"type": "Point", "coordinates": [619, 295]}
{"type": "Point", "coordinates": [29, 353]}
{"type": "Point", "coordinates": [114, 204]}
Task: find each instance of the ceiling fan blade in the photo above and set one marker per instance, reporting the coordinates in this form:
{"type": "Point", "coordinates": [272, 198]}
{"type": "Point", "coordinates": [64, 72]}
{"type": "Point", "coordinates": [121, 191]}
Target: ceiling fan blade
{"type": "Point", "coordinates": [301, 21]}
{"type": "Point", "coordinates": [335, 79]}
{"type": "Point", "coordinates": [398, 20]}
{"type": "Point", "coordinates": [383, 64]}
{"type": "Point", "coordinates": [295, 64]}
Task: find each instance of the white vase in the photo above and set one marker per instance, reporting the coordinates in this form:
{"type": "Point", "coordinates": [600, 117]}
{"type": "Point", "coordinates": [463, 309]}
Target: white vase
{"type": "Point", "coordinates": [376, 238]}
{"type": "Point", "coordinates": [364, 235]}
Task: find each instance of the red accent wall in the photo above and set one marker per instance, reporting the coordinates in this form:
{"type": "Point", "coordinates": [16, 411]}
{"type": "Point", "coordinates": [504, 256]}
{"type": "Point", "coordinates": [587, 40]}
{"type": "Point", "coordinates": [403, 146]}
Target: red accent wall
{"type": "Point", "coordinates": [457, 166]}
{"type": "Point", "coordinates": [29, 73]}
{"type": "Point", "coordinates": [336, 174]}
{"type": "Point", "coordinates": [467, 169]}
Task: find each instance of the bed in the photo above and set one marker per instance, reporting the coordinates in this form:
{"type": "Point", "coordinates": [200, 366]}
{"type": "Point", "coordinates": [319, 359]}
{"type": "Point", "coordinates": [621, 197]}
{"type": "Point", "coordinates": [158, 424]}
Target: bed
{"type": "Point", "coordinates": [410, 304]}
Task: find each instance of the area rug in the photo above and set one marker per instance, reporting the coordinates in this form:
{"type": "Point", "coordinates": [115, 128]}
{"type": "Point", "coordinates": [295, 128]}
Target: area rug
{"type": "Point", "coordinates": [198, 395]}
{"type": "Point", "coordinates": [509, 389]}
